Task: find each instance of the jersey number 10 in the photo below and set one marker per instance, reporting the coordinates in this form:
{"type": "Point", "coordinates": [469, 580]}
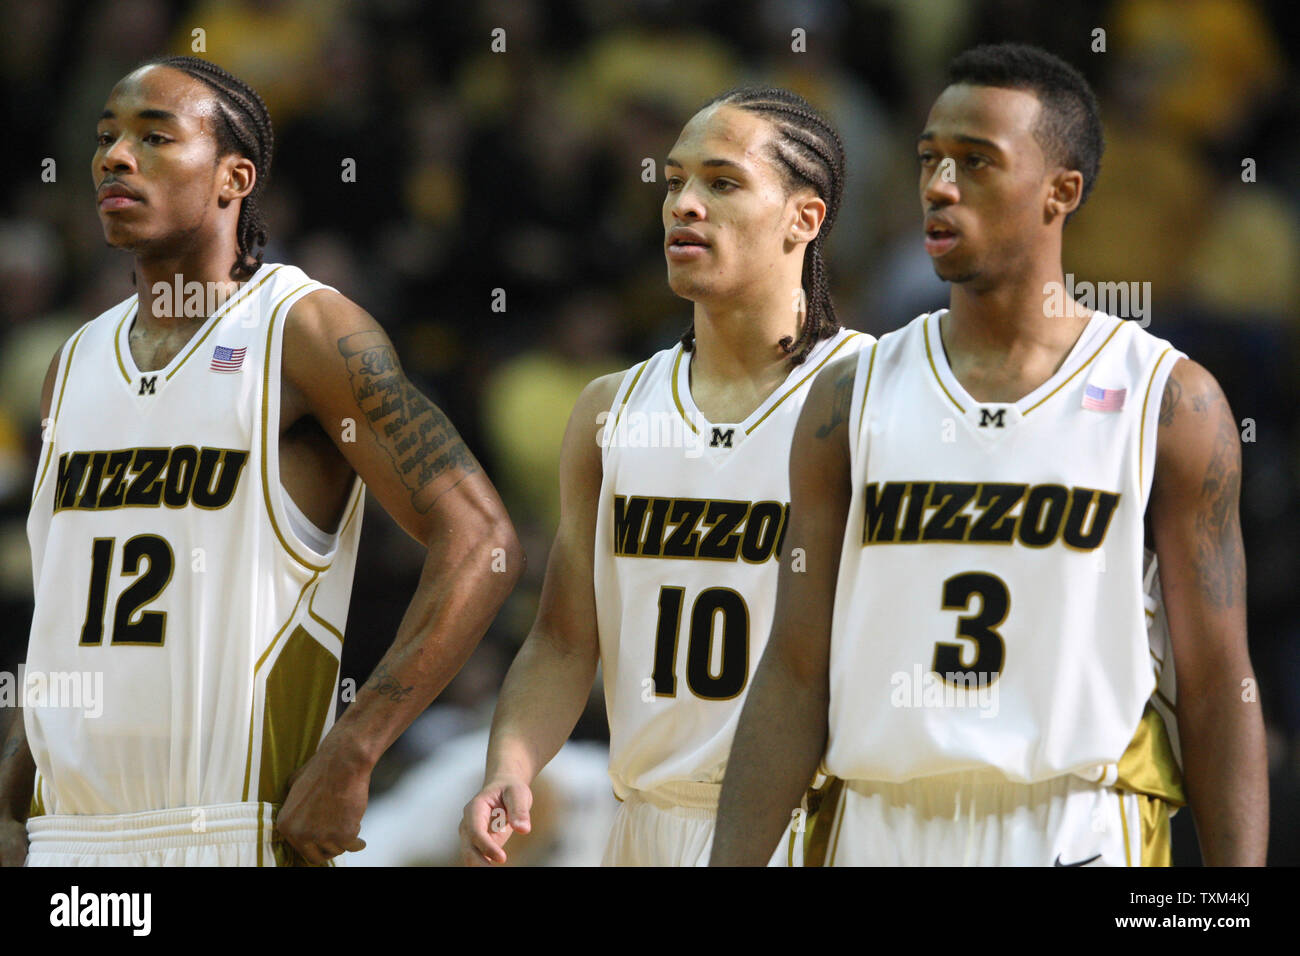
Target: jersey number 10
{"type": "Point", "coordinates": [734, 672]}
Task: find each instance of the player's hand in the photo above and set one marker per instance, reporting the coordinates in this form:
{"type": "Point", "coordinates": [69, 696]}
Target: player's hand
{"type": "Point", "coordinates": [321, 816]}
{"type": "Point", "coordinates": [499, 809]}
{"type": "Point", "coordinates": [13, 842]}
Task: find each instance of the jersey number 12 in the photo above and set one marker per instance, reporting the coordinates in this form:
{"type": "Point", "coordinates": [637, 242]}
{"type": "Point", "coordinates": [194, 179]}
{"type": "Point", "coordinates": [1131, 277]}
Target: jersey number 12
{"type": "Point", "coordinates": [150, 627]}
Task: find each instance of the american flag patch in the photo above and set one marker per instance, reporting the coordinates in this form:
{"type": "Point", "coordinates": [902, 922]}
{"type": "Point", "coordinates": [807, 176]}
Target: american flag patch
{"type": "Point", "coordinates": [1104, 399]}
{"type": "Point", "coordinates": [227, 360]}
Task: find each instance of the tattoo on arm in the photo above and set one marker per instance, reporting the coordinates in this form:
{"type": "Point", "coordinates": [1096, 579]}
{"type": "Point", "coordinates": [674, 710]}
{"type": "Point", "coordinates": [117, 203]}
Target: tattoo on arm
{"type": "Point", "coordinates": [840, 402]}
{"type": "Point", "coordinates": [383, 682]}
{"type": "Point", "coordinates": [1169, 401]}
{"type": "Point", "coordinates": [427, 453]}
{"type": "Point", "coordinates": [1220, 560]}
{"type": "Point", "coordinates": [11, 749]}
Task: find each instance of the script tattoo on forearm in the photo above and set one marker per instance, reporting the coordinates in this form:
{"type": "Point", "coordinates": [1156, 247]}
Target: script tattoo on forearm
{"type": "Point", "coordinates": [1220, 559]}
{"type": "Point", "coordinates": [841, 400]}
{"type": "Point", "coordinates": [427, 453]}
{"type": "Point", "coordinates": [383, 682]}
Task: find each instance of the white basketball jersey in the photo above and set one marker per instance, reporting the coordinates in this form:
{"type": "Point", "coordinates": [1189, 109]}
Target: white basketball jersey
{"type": "Point", "coordinates": [168, 572]}
{"type": "Point", "coordinates": [691, 519]}
{"type": "Point", "coordinates": [990, 612]}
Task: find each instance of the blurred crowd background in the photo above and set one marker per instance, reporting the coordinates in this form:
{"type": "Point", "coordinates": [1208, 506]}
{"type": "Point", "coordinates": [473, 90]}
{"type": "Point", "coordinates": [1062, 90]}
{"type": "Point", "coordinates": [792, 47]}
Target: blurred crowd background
{"type": "Point", "coordinates": [522, 171]}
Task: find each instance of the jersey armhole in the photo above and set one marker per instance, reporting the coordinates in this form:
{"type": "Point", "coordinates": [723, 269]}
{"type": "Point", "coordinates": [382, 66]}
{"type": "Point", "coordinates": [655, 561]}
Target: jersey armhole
{"type": "Point", "coordinates": [274, 495]}
{"type": "Point", "coordinates": [621, 396]}
{"type": "Point", "coordinates": [858, 403]}
{"type": "Point", "coordinates": [49, 424]}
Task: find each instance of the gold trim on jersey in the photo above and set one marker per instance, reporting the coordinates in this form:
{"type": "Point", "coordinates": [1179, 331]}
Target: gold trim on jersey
{"type": "Point", "coordinates": [117, 339]}
{"type": "Point", "coordinates": [681, 410]}
{"type": "Point", "coordinates": [1166, 701]}
{"type": "Point", "coordinates": [871, 367]}
{"type": "Point", "coordinates": [635, 378]}
{"type": "Point", "coordinates": [209, 324]}
{"type": "Point", "coordinates": [266, 415]}
{"type": "Point", "coordinates": [320, 620]}
{"type": "Point", "coordinates": [221, 313]}
{"type": "Point", "coordinates": [837, 822]}
{"type": "Point", "coordinates": [37, 807]}
{"type": "Point", "coordinates": [48, 447]}
{"type": "Point", "coordinates": [1142, 427]}
{"type": "Point", "coordinates": [1156, 848]}
{"type": "Point", "coordinates": [677, 399]}
{"type": "Point", "coordinates": [1119, 324]}
{"type": "Point", "coordinates": [1148, 764]}
{"type": "Point", "coordinates": [252, 722]}
{"type": "Point", "coordinates": [847, 339]}
{"type": "Point", "coordinates": [929, 354]}
{"type": "Point", "coordinates": [295, 707]}
{"type": "Point", "coordinates": [823, 812]}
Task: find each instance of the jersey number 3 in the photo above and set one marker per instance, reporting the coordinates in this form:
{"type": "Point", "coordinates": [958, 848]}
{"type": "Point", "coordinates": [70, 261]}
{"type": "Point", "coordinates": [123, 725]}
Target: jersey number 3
{"type": "Point", "coordinates": [730, 679]}
{"type": "Point", "coordinates": [148, 627]}
{"type": "Point", "coordinates": [979, 628]}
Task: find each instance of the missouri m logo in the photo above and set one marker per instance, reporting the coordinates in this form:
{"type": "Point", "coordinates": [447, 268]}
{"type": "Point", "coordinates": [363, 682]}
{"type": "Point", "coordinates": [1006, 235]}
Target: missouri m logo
{"type": "Point", "coordinates": [997, 418]}
{"type": "Point", "coordinates": [722, 439]}
{"type": "Point", "coordinates": [147, 382]}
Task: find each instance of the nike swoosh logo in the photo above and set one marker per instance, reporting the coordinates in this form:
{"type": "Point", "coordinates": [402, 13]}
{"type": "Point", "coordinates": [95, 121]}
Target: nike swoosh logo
{"type": "Point", "coordinates": [1080, 863]}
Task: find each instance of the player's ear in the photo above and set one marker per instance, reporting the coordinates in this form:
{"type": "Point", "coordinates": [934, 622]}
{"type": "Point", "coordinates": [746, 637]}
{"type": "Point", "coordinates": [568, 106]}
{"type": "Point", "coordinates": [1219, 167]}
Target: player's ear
{"type": "Point", "coordinates": [236, 176]}
{"type": "Point", "coordinates": [809, 214]}
{"type": "Point", "coordinates": [1064, 194]}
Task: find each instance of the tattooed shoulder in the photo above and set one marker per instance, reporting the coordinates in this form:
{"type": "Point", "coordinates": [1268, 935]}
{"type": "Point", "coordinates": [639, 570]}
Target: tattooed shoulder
{"type": "Point", "coordinates": [840, 402]}
{"type": "Point", "coordinates": [1169, 401]}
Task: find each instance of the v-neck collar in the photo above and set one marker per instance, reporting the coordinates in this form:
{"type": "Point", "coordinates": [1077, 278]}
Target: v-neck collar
{"type": "Point", "coordinates": [685, 402]}
{"type": "Point", "coordinates": [1101, 328]}
{"type": "Point", "coordinates": [122, 338]}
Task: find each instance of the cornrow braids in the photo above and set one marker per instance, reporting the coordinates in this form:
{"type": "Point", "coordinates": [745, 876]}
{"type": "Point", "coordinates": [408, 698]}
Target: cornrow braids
{"type": "Point", "coordinates": [809, 151]}
{"type": "Point", "coordinates": [245, 129]}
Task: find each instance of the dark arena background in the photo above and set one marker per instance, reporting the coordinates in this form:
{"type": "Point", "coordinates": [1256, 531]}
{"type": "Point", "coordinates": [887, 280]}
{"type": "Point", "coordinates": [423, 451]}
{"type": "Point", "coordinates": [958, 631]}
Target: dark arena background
{"type": "Point", "coordinates": [502, 221]}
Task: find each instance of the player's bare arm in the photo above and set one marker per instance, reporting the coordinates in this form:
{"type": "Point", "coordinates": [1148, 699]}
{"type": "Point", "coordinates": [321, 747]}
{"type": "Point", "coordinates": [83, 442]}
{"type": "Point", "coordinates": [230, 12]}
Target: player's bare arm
{"type": "Point", "coordinates": [547, 686]}
{"type": "Point", "coordinates": [1197, 530]}
{"type": "Point", "coordinates": [782, 731]}
{"type": "Point", "coordinates": [340, 366]}
{"type": "Point", "coordinates": [17, 768]}
{"type": "Point", "coordinates": [17, 772]}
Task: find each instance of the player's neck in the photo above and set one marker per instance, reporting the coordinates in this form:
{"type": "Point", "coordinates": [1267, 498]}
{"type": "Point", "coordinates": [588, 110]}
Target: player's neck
{"type": "Point", "coordinates": [741, 342]}
{"type": "Point", "coordinates": [1017, 316]}
{"type": "Point", "coordinates": [1003, 343]}
{"type": "Point", "coordinates": [169, 297]}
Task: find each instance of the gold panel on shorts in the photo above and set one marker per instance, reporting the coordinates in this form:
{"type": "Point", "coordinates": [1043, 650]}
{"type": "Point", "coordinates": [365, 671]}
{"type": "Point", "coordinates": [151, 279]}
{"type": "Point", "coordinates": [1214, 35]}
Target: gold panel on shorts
{"type": "Point", "coordinates": [299, 694]}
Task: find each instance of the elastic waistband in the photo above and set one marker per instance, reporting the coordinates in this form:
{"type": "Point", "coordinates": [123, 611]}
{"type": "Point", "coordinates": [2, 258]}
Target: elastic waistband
{"type": "Point", "coordinates": [975, 781]}
{"type": "Point", "coordinates": [681, 793]}
{"type": "Point", "coordinates": [105, 833]}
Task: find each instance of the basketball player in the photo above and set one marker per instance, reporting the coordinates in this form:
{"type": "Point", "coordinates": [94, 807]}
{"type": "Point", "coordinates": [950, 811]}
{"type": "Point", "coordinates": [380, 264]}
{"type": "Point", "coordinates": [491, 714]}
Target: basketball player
{"type": "Point", "coordinates": [967, 650]}
{"type": "Point", "coordinates": [195, 520]}
{"type": "Point", "coordinates": [664, 565]}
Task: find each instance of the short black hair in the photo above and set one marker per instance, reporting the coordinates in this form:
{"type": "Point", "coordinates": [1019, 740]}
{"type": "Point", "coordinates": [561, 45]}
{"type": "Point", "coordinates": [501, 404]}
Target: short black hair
{"type": "Point", "coordinates": [1069, 123]}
